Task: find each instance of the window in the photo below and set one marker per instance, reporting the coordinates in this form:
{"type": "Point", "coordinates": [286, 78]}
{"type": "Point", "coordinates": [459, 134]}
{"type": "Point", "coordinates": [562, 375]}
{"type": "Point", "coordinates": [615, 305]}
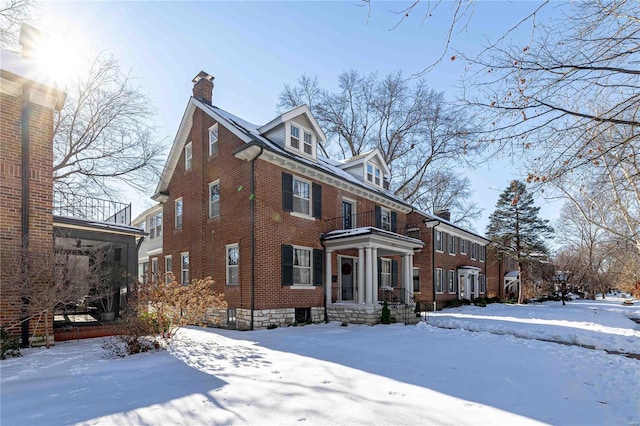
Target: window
{"type": "Point", "coordinates": [302, 315]}
{"type": "Point", "coordinates": [155, 226]}
{"type": "Point", "coordinates": [167, 269]}
{"type": "Point", "coordinates": [452, 244]}
{"type": "Point", "coordinates": [214, 199]}
{"type": "Point", "coordinates": [301, 196]}
{"type": "Point", "coordinates": [482, 253]}
{"type": "Point", "coordinates": [143, 225]}
{"type": "Point", "coordinates": [184, 268]}
{"type": "Point", "coordinates": [308, 143]}
{"type": "Point", "coordinates": [348, 214]}
{"type": "Point", "coordinates": [451, 278]}
{"type": "Point", "coordinates": [178, 213]}
{"type": "Point", "coordinates": [438, 240]}
{"type": "Point", "coordinates": [213, 140]}
{"type": "Point", "coordinates": [482, 283]}
{"type": "Point", "coordinates": [188, 153]}
{"type": "Point", "coordinates": [385, 219]}
{"type": "Point", "coordinates": [294, 139]}
{"type": "Point", "coordinates": [154, 269]}
{"type": "Point", "coordinates": [472, 284]}
{"type": "Point", "coordinates": [463, 246]}
{"type": "Point", "coordinates": [473, 251]}
{"type": "Point", "coordinates": [416, 279]}
{"type": "Point", "coordinates": [233, 262]}
{"type": "Point", "coordinates": [385, 273]}
{"type": "Point", "coordinates": [143, 269]}
{"type": "Point", "coordinates": [373, 175]}
{"type": "Point", "coordinates": [302, 266]}
{"type": "Point", "coordinates": [439, 281]}
{"type": "Point", "coordinates": [231, 316]}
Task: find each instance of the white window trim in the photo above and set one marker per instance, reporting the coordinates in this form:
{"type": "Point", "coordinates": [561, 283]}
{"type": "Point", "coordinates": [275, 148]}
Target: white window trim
{"type": "Point", "coordinates": [354, 212]}
{"type": "Point", "coordinates": [385, 212]}
{"type": "Point", "coordinates": [451, 274]}
{"type": "Point", "coordinates": [451, 244]}
{"type": "Point", "coordinates": [226, 262]}
{"type": "Point", "coordinates": [482, 284]}
{"type": "Point", "coordinates": [182, 256]}
{"type": "Point", "coordinates": [301, 143]}
{"type": "Point", "coordinates": [166, 271]}
{"type": "Point", "coordinates": [175, 211]}
{"type": "Point", "coordinates": [387, 261]}
{"type": "Point", "coordinates": [300, 214]}
{"type": "Point", "coordinates": [412, 280]}
{"type": "Point", "coordinates": [441, 249]}
{"type": "Point", "coordinates": [212, 143]}
{"type": "Point", "coordinates": [463, 247]}
{"type": "Point", "coordinates": [153, 230]}
{"type": "Point", "coordinates": [188, 156]}
{"type": "Point", "coordinates": [375, 169]}
{"type": "Point", "coordinates": [310, 250]}
{"type": "Point", "coordinates": [212, 184]}
{"type": "Point", "coordinates": [441, 281]}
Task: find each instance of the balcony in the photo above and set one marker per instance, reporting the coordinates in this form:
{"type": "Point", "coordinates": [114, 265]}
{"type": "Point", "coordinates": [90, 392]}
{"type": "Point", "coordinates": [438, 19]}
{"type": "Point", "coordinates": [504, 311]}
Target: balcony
{"type": "Point", "coordinates": [372, 219]}
{"type": "Point", "coordinates": [95, 209]}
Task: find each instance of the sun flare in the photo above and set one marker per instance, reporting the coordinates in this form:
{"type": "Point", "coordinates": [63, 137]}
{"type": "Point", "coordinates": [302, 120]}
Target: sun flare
{"type": "Point", "coordinates": [61, 58]}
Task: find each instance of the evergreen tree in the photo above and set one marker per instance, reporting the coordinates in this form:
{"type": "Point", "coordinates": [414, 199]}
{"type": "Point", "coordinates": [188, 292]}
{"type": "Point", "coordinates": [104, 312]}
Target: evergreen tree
{"type": "Point", "coordinates": [516, 230]}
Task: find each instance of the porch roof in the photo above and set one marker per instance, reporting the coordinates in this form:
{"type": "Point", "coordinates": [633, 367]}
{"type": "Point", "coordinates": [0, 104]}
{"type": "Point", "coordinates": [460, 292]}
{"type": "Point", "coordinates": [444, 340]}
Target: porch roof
{"type": "Point", "coordinates": [388, 243]}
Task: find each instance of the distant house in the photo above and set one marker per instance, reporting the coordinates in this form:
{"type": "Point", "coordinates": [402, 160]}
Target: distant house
{"type": "Point", "coordinates": [289, 235]}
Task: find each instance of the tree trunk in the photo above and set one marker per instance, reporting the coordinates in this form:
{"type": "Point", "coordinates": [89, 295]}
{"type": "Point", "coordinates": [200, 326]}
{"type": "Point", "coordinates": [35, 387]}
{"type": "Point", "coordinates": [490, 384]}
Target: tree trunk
{"type": "Point", "coordinates": [520, 284]}
{"type": "Point", "coordinates": [46, 328]}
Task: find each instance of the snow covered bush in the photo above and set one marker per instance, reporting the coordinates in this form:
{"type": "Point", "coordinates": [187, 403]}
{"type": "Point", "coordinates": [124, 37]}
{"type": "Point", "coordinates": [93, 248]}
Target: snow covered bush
{"type": "Point", "coordinates": [10, 345]}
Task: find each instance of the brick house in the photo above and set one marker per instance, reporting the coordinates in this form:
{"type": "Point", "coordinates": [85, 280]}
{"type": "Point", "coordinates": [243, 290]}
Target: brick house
{"type": "Point", "coordinates": [289, 235]}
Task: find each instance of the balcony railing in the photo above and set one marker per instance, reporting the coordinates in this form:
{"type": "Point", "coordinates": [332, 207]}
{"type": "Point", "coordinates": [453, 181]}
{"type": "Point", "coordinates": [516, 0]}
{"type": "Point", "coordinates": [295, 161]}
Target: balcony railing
{"type": "Point", "coordinates": [99, 210]}
{"type": "Point", "coordinates": [370, 219]}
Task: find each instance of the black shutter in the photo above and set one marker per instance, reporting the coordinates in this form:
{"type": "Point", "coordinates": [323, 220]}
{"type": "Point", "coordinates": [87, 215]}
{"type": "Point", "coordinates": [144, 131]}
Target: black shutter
{"type": "Point", "coordinates": [394, 221]}
{"type": "Point", "coordinates": [287, 265]}
{"type": "Point", "coordinates": [378, 217]}
{"type": "Point", "coordinates": [316, 193]}
{"type": "Point", "coordinates": [379, 272]}
{"type": "Point", "coordinates": [394, 273]}
{"type": "Point", "coordinates": [317, 267]}
{"type": "Point", "coordinates": [287, 192]}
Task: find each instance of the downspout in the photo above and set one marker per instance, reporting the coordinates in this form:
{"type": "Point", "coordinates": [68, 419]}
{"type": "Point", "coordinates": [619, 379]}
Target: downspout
{"type": "Point", "coordinates": [25, 117]}
{"type": "Point", "coordinates": [324, 290]}
{"type": "Point", "coordinates": [433, 258]}
{"type": "Point", "coordinates": [252, 213]}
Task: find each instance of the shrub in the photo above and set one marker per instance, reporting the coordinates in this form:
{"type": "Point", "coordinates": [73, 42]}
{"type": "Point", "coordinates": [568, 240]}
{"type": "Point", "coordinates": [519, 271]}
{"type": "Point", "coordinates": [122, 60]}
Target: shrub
{"type": "Point", "coordinates": [344, 324]}
{"type": "Point", "coordinates": [272, 326]}
{"type": "Point", "coordinates": [453, 303]}
{"type": "Point", "coordinates": [480, 301]}
{"type": "Point", "coordinates": [10, 345]}
{"type": "Point", "coordinates": [385, 318]}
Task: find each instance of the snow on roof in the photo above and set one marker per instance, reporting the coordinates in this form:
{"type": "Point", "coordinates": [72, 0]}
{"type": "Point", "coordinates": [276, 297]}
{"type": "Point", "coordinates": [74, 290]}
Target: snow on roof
{"type": "Point", "coordinates": [104, 226]}
{"type": "Point", "coordinates": [365, 230]}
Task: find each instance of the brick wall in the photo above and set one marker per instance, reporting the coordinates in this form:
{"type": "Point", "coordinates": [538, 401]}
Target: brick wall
{"type": "Point", "coordinates": [40, 201]}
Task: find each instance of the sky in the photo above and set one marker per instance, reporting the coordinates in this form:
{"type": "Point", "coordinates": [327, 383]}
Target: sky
{"type": "Point", "coordinates": [520, 366]}
{"type": "Point", "coordinates": [254, 48]}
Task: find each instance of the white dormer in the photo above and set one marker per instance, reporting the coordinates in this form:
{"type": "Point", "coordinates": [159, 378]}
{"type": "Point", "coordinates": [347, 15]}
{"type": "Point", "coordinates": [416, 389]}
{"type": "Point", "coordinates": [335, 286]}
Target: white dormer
{"type": "Point", "coordinates": [296, 131]}
{"type": "Point", "coordinates": [368, 167]}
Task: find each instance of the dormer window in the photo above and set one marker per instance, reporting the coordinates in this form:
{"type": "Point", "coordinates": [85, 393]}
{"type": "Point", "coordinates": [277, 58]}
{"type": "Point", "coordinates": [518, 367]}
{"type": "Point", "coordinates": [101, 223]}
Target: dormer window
{"type": "Point", "coordinates": [301, 140]}
{"type": "Point", "coordinates": [374, 175]}
{"type": "Point", "coordinates": [187, 156]}
{"type": "Point", "coordinates": [308, 143]}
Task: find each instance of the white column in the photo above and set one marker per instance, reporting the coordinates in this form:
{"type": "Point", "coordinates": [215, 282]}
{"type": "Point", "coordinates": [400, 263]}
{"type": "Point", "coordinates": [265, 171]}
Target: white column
{"type": "Point", "coordinates": [374, 284]}
{"type": "Point", "coordinates": [410, 279]}
{"type": "Point", "coordinates": [406, 276]}
{"type": "Point", "coordinates": [369, 278]}
{"type": "Point", "coordinates": [361, 280]}
{"type": "Point", "coordinates": [327, 276]}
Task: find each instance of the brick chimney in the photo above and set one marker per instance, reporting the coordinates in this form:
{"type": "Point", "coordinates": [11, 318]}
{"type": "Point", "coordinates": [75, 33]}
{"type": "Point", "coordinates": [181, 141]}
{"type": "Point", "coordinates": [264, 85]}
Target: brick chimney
{"type": "Point", "coordinates": [203, 87]}
{"type": "Point", "coordinates": [444, 214]}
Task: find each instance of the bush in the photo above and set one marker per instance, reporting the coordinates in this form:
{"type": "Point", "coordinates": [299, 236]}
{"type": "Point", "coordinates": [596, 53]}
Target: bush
{"type": "Point", "coordinates": [344, 324]}
{"type": "Point", "coordinates": [385, 318]}
{"type": "Point", "coordinates": [272, 326]}
{"type": "Point", "coordinates": [480, 301]}
{"type": "Point", "coordinates": [10, 345]}
{"type": "Point", "coordinates": [137, 334]}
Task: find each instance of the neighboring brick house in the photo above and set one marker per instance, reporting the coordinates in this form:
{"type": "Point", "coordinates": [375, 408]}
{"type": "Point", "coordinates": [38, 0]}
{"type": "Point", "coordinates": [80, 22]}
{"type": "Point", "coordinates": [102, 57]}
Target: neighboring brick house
{"type": "Point", "coordinates": [28, 101]}
{"type": "Point", "coordinates": [289, 235]}
{"type": "Point", "coordinates": [33, 223]}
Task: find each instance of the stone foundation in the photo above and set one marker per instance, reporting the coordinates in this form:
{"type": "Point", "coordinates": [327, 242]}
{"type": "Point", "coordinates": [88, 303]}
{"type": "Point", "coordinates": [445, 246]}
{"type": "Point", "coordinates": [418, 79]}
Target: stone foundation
{"type": "Point", "coordinates": [355, 313]}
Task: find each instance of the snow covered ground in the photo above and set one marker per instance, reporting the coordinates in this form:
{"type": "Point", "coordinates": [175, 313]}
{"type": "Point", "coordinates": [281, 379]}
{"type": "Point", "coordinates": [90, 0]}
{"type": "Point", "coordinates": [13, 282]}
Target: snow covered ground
{"type": "Point", "coordinates": [355, 375]}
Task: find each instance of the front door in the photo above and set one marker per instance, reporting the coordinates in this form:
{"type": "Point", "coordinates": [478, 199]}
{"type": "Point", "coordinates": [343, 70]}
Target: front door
{"type": "Point", "coordinates": [347, 278]}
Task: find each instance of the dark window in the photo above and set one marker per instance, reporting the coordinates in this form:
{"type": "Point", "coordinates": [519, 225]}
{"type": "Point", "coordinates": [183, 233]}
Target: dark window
{"type": "Point", "coordinates": [231, 317]}
{"type": "Point", "coordinates": [303, 315]}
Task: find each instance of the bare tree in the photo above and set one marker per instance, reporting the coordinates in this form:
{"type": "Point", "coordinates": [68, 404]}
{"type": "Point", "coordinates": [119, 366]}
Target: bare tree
{"type": "Point", "coordinates": [103, 136]}
{"type": "Point", "coordinates": [12, 13]}
{"type": "Point", "coordinates": [52, 280]}
{"type": "Point", "coordinates": [416, 131]}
